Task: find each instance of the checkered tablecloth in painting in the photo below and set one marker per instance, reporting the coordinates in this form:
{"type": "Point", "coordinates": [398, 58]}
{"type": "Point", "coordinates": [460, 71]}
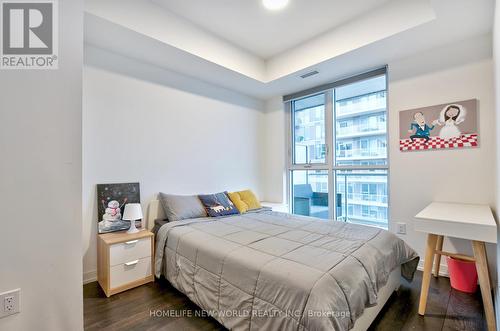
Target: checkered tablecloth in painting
{"type": "Point", "coordinates": [466, 140]}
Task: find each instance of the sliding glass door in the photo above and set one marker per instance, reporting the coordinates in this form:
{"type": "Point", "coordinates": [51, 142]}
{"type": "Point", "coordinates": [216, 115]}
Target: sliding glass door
{"type": "Point", "coordinates": [350, 184]}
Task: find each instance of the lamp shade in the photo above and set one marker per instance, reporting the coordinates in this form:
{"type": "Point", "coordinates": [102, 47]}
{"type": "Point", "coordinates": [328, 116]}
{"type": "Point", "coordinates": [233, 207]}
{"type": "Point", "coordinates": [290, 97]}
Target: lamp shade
{"type": "Point", "coordinates": [133, 212]}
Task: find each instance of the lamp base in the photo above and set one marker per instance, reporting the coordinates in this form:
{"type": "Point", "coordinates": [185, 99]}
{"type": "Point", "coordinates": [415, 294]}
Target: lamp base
{"type": "Point", "coordinates": [132, 228]}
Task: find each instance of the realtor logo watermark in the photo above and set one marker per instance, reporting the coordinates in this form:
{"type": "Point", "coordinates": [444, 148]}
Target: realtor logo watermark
{"type": "Point", "coordinates": [29, 34]}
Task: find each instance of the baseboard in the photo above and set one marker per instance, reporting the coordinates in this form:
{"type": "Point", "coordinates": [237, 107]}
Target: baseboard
{"type": "Point", "coordinates": [443, 269]}
{"type": "Point", "coordinates": [89, 277]}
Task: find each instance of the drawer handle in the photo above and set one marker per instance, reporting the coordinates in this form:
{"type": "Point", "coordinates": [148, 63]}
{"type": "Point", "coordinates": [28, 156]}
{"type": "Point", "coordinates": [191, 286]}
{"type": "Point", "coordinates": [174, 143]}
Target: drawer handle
{"type": "Point", "coordinates": [128, 264]}
{"type": "Point", "coordinates": [131, 242]}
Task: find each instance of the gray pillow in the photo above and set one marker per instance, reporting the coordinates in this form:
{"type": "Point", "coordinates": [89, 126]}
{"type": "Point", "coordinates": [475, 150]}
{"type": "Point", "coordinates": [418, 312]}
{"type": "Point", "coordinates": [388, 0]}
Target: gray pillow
{"type": "Point", "coordinates": [180, 207]}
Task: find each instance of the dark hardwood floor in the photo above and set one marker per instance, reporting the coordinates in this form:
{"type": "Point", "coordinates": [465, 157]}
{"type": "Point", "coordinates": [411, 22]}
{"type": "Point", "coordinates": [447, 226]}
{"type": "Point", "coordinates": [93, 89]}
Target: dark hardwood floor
{"type": "Point", "coordinates": [447, 309]}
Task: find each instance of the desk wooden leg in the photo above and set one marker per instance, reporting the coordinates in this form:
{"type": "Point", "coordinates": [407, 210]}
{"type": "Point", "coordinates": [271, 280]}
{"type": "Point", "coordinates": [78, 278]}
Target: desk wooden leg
{"type": "Point", "coordinates": [484, 283]}
{"type": "Point", "coordinates": [437, 259]}
{"type": "Point", "coordinates": [426, 277]}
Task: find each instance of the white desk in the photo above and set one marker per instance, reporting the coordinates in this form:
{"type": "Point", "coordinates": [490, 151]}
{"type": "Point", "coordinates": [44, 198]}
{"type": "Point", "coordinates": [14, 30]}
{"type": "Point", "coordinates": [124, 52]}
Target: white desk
{"type": "Point", "coordinates": [466, 221]}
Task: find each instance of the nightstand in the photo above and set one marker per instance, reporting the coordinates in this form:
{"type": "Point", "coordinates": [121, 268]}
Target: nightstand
{"type": "Point", "coordinates": [124, 260]}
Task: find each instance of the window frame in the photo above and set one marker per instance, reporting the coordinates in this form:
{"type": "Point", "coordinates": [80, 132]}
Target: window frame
{"type": "Point", "coordinates": [291, 136]}
{"type": "Point", "coordinates": [330, 142]}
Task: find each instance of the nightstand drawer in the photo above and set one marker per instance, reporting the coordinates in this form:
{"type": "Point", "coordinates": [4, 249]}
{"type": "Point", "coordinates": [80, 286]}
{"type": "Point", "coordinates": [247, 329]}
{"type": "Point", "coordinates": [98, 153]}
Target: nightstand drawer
{"type": "Point", "coordinates": [130, 271]}
{"type": "Point", "coordinates": [129, 251]}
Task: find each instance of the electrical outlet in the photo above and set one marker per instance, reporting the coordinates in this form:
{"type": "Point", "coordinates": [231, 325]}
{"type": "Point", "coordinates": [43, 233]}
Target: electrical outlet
{"type": "Point", "coordinates": [9, 302]}
{"type": "Point", "coordinates": [401, 228]}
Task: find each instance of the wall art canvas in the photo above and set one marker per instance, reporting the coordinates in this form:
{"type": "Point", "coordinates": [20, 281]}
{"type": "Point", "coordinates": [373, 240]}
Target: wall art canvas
{"type": "Point", "coordinates": [111, 201]}
{"type": "Point", "coordinates": [446, 126]}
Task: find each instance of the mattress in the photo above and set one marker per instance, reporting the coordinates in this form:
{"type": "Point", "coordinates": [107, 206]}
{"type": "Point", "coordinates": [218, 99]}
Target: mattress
{"type": "Point", "coordinates": [270, 270]}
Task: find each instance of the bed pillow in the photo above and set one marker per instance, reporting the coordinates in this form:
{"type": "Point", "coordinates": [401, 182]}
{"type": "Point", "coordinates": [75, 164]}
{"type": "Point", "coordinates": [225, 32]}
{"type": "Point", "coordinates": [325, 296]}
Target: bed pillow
{"type": "Point", "coordinates": [245, 200]}
{"type": "Point", "coordinates": [180, 207]}
{"type": "Point", "coordinates": [218, 204]}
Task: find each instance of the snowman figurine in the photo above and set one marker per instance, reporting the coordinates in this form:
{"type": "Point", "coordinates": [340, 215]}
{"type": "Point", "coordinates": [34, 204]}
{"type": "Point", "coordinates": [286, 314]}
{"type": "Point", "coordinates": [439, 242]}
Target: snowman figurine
{"type": "Point", "coordinates": [113, 211]}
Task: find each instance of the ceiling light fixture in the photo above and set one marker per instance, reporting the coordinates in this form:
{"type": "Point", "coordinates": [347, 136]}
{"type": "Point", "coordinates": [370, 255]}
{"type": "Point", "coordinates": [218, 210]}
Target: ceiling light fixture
{"type": "Point", "coordinates": [275, 4]}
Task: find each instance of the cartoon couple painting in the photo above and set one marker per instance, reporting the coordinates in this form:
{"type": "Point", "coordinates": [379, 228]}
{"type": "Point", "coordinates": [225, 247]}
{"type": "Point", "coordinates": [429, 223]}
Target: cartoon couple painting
{"type": "Point", "coordinates": [451, 116]}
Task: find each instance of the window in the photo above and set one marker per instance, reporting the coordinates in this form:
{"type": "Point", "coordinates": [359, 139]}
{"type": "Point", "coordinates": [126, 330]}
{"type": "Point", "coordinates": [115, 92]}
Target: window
{"type": "Point", "coordinates": [309, 129]}
{"type": "Point", "coordinates": [349, 184]}
{"type": "Point", "coordinates": [365, 210]}
{"type": "Point", "coordinates": [363, 144]}
{"type": "Point", "coordinates": [350, 211]}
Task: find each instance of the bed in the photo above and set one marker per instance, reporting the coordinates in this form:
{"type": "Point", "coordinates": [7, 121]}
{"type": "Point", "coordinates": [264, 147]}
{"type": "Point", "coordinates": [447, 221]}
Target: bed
{"type": "Point", "coordinates": [270, 270]}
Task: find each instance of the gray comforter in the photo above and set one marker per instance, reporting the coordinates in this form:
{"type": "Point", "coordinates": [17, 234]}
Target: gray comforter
{"type": "Point", "coordinates": [274, 271]}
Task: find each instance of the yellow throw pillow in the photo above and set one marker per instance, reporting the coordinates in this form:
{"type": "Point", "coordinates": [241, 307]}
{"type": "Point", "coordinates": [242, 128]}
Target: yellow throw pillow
{"type": "Point", "coordinates": [250, 199]}
{"type": "Point", "coordinates": [240, 204]}
{"type": "Point", "coordinates": [245, 200]}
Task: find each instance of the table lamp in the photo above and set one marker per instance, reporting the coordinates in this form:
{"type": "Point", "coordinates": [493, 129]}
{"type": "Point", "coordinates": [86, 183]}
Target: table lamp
{"type": "Point", "coordinates": [132, 213]}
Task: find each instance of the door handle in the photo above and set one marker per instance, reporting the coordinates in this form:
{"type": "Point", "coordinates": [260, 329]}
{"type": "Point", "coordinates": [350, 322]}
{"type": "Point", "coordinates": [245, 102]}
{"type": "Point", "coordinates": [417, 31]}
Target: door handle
{"type": "Point", "coordinates": [131, 242]}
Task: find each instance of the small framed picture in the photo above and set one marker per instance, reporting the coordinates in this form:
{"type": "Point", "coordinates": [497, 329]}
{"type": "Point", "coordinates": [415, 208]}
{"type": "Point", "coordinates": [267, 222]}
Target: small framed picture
{"type": "Point", "coordinates": [111, 201]}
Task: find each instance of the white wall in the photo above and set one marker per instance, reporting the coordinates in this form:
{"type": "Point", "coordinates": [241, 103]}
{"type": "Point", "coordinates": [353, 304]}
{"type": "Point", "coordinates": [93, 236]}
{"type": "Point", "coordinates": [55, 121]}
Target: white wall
{"type": "Point", "coordinates": [137, 127]}
{"type": "Point", "coordinates": [40, 190]}
{"type": "Point", "coordinates": [442, 75]}
{"type": "Point", "coordinates": [496, 62]}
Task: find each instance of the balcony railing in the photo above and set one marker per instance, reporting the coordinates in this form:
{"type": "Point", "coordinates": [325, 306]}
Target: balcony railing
{"type": "Point", "coordinates": [358, 198]}
{"type": "Point", "coordinates": [310, 199]}
{"type": "Point", "coordinates": [362, 153]}
{"type": "Point", "coordinates": [349, 205]}
{"type": "Point", "coordinates": [361, 104]}
{"type": "Point", "coordinates": [356, 130]}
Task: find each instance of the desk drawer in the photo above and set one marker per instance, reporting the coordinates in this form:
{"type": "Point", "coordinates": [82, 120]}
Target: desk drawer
{"type": "Point", "coordinates": [130, 271]}
{"type": "Point", "coordinates": [129, 251]}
